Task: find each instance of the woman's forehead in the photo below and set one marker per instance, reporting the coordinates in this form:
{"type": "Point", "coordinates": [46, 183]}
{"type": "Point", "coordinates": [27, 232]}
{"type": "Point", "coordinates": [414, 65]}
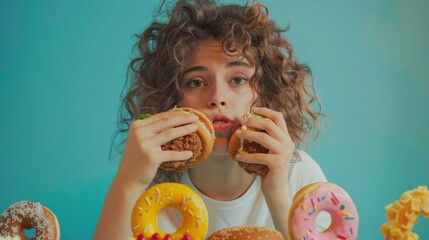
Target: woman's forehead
{"type": "Point", "coordinates": [215, 47]}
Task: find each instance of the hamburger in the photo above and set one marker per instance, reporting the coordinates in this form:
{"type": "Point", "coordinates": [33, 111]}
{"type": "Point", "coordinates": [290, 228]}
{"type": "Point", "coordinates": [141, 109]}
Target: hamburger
{"type": "Point", "coordinates": [244, 146]}
{"type": "Point", "coordinates": [200, 142]}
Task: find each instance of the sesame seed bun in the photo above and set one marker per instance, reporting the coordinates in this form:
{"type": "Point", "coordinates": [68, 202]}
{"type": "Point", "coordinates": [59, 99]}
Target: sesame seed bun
{"type": "Point", "coordinates": [246, 232]}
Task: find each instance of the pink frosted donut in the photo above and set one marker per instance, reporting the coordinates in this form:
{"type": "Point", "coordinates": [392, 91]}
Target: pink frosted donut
{"type": "Point", "coordinates": [318, 197]}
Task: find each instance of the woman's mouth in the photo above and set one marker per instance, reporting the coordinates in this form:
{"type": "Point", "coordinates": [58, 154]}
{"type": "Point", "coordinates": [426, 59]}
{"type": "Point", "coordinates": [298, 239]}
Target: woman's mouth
{"type": "Point", "coordinates": [221, 122]}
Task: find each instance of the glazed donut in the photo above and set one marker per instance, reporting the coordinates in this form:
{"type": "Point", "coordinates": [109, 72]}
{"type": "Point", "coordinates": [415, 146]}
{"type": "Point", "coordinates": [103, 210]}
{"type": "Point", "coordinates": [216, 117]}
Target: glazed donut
{"type": "Point", "coordinates": [246, 232]}
{"type": "Point", "coordinates": [188, 203]}
{"type": "Point", "coordinates": [243, 146]}
{"type": "Point", "coordinates": [200, 142]}
{"type": "Point", "coordinates": [27, 215]}
{"type": "Point", "coordinates": [323, 196]}
{"type": "Point", "coordinates": [402, 215]}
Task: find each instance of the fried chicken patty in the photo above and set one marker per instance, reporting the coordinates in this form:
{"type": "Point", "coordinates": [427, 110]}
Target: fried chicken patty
{"type": "Point", "coordinates": [190, 142]}
{"type": "Point", "coordinates": [254, 168]}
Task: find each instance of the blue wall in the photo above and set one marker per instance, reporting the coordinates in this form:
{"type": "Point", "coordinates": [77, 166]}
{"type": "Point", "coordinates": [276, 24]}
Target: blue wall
{"type": "Point", "coordinates": [63, 64]}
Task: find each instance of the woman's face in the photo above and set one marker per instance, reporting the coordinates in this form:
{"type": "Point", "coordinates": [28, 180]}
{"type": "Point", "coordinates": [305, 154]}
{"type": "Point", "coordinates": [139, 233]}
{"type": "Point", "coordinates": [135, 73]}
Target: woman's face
{"type": "Point", "coordinates": [218, 85]}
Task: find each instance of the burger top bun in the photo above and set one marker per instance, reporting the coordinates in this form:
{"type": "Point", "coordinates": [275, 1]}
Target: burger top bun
{"type": "Point", "coordinates": [246, 232]}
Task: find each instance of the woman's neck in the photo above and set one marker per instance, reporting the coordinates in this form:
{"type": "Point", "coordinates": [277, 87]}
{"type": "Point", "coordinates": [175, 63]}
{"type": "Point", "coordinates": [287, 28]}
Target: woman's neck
{"type": "Point", "coordinates": [220, 178]}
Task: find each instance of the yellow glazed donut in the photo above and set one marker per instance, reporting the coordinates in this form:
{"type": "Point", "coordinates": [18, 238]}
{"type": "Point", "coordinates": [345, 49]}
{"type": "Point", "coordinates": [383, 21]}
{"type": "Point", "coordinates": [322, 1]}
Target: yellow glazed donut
{"type": "Point", "coordinates": [175, 195]}
{"type": "Point", "coordinates": [402, 215]}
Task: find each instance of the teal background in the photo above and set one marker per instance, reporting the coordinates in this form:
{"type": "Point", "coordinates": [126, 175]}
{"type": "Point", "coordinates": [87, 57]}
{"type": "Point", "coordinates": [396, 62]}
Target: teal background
{"type": "Point", "coordinates": [63, 65]}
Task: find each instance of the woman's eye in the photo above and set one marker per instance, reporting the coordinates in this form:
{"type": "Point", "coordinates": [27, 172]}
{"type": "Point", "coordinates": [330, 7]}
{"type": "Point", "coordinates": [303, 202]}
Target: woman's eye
{"type": "Point", "coordinates": [239, 80]}
{"type": "Point", "coordinates": [195, 83]}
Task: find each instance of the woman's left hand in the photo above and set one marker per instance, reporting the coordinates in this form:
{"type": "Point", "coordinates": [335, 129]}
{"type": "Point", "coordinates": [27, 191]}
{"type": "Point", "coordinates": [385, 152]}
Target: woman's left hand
{"type": "Point", "coordinates": [275, 137]}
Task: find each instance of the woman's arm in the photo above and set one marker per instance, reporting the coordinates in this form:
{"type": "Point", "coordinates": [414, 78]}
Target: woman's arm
{"type": "Point", "coordinates": [140, 160]}
{"type": "Point", "coordinates": [115, 218]}
{"type": "Point", "coordinates": [279, 205]}
{"type": "Point", "coordinates": [277, 140]}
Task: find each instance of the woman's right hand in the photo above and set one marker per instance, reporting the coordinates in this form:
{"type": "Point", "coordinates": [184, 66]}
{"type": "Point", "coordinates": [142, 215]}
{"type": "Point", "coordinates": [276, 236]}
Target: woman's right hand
{"type": "Point", "coordinates": [140, 160]}
{"type": "Point", "coordinates": [143, 154]}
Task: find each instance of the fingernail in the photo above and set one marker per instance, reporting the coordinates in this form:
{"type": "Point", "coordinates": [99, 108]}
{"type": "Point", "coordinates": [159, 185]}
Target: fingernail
{"type": "Point", "coordinates": [193, 127]}
{"type": "Point", "coordinates": [194, 116]}
{"type": "Point", "coordinates": [189, 154]}
{"type": "Point", "coordinates": [238, 132]}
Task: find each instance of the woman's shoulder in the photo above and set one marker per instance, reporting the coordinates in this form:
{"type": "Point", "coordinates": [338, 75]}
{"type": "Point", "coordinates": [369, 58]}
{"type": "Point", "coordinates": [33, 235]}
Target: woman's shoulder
{"type": "Point", "coordinates": [303, 171]}
{"type": "Point", "coordinates": [304, 161]}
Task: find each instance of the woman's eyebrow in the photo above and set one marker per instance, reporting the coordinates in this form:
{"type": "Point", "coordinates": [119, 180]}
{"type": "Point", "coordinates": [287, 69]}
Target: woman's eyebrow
{"type": "Point", "coordinates": [238, 64]}
{"type": "Point", "coordinates": [196, 68]}
{"type": "Point", "coordinates": [228, 65]}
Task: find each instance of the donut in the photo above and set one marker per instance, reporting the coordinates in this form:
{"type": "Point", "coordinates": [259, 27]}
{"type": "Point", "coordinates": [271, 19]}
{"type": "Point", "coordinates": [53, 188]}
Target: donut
{"type": "Point", "coordinates": [246, 232]}
{"type": "Point", "coordinates": [315, 198]}
{"type": "Point", "coordinates": [156, 236]}
{"type": "Point", "coordinates": [29, 215]}
{"type": "Point", "coordinates": [402, 214]}
{"type": "Point", "coordinates": [200, 142]}
{"type": "Point", "coordinates": [10, 238]}
{"type": "Point", "coordinates": [243, 146]}
{"type": "Point", "coordinates": [188, 203]}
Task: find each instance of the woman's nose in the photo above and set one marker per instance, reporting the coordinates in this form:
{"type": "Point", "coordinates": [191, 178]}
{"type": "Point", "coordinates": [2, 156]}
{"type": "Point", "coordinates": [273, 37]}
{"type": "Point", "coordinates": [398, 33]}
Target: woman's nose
{"type": "Point", "coordinates": [217, 97]}
{"type": "Point", "coordinates": [216, 103]}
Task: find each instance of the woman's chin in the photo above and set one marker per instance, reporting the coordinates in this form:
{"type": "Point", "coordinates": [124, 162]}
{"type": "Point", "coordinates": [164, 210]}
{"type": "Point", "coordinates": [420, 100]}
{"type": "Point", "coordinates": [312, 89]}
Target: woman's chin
{"type": "Point", "coordinates": [220, 147]}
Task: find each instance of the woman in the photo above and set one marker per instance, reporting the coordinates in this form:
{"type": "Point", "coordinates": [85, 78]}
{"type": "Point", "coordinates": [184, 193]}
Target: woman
{"type": "Point", "coordinates": [225, 61]}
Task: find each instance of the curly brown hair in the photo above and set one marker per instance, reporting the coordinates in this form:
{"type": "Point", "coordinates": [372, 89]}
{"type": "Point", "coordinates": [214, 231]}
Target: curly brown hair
{"type": "Point", "coordinates": [280, 81]}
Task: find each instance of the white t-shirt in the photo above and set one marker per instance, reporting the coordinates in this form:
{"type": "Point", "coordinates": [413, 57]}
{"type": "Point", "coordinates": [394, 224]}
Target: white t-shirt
{"type": "Point", "coordinates": [249, 209]}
